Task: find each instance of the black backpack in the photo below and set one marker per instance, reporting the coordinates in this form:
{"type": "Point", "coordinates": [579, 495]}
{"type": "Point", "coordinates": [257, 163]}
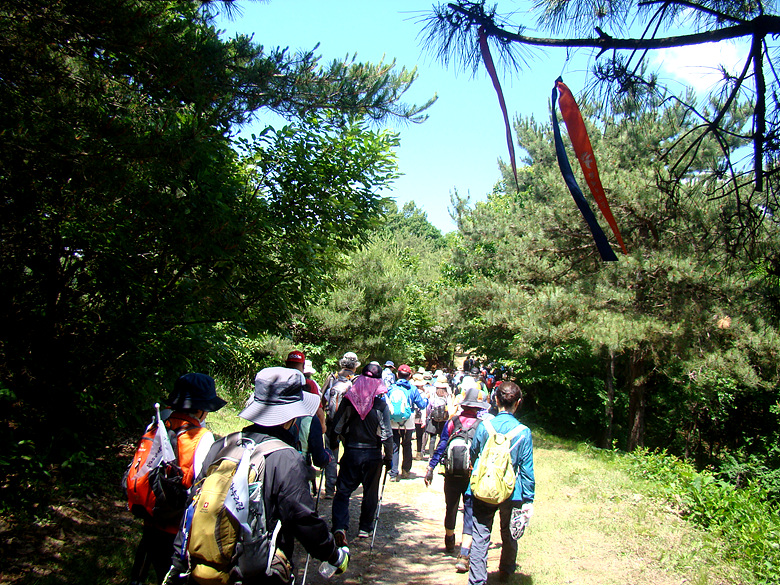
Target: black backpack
{"type": "Point", "coordinates": [457, 456]}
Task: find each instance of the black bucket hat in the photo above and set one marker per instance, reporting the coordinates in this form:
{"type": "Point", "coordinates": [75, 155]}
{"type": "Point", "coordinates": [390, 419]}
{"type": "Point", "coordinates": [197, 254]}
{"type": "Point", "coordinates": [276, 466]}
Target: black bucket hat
{"type": "Point", "coordinates": [195, 392]}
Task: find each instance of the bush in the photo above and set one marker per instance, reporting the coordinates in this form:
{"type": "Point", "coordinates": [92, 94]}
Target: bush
{"type": "Point", "coordinates": [745, 519]}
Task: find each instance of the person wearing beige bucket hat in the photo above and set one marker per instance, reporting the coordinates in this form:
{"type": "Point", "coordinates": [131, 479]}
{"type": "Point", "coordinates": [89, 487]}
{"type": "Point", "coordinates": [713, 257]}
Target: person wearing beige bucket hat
{"type": "Point", "coordinates": [279, 397]}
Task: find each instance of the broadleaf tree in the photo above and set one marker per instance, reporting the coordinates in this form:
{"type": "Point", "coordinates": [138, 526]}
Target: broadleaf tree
{"type": "Point", "coordinates": [133, 221]}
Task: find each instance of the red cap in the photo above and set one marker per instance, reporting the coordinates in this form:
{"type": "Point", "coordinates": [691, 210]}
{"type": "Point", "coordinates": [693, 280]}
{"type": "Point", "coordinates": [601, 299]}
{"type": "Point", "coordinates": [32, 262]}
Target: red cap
{"type": "Point", "coordinates": [404, 369]}
{"type": "Point", "coordinates": [296, 357]}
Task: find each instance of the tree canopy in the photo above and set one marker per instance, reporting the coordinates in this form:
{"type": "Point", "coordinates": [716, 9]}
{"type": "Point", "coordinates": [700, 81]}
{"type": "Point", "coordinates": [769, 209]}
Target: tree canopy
{"type": "Point", "coordinates": [133, 222]}
{"type": "Point", "coordinates": [622, 34]}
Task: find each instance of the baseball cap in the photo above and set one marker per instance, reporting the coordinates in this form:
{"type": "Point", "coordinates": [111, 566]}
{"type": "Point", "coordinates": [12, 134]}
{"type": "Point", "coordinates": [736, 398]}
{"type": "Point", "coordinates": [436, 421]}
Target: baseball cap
{"type": "Point", "coordinates": [296, 356]}
{"type": "Point", "coordinates": [404, 369]}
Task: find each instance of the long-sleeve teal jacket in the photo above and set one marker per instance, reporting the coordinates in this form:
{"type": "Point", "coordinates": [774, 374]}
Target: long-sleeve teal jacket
{"type": "Point", "coordinates": [522, 454]}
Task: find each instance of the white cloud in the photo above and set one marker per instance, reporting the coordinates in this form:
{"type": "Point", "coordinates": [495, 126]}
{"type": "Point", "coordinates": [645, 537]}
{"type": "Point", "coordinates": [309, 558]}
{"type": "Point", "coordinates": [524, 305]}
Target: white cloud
{"type": "Point", "coordinates": [699, 66]}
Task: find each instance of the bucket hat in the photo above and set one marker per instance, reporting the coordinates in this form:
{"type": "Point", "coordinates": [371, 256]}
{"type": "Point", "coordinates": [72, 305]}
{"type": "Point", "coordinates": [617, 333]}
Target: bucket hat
{"type": "Point", "coordinates": [472, 399]}
{"type": "Point", "coordinates": [441, 382]}
{"type": "Point", "coordinates": [280, 395]}
{"type": "Point", "coordinates": [418, 380]}
{"type": "Point", "coordinates": [196, 392]}
{"type": "Point", "coordinates": [467, 383]}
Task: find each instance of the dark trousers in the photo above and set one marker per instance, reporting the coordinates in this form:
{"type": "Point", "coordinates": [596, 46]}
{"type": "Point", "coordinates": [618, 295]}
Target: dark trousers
{"type": "Point", "coordinates": [482, 526]}
{"type": "Point", "coordinates": [357, 467]}
{"type": "Point", "coordinates": [402, 441]}
{"type": "Point", "coordinates": [154, 550]}
{"type": "Point", "coordinates": [419, 432]}
{"type": "Point", "coordinates": [454, 488]}
{"type": "Point", "coordinates": [331, 469]}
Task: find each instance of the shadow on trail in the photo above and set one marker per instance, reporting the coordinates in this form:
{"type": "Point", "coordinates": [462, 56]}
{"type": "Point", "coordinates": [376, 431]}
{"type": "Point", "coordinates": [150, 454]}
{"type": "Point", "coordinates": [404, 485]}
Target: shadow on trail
{"type": "Point", "coordinates": [408, 549]}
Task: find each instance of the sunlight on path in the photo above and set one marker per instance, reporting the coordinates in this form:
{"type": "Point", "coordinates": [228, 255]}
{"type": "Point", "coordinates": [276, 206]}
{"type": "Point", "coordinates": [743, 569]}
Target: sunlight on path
{"type": "Point", "coordinates": [589, 528]}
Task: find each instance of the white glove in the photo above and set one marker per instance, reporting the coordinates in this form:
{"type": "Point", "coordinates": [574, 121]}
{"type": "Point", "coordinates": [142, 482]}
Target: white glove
{"type": "Point", "coordinates": [528, 509]}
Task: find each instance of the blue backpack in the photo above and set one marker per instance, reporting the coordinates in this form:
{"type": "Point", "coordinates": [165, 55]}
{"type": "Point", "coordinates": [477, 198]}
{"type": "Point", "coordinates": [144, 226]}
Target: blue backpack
{"type": "Point", "coordinates": [398, 401]}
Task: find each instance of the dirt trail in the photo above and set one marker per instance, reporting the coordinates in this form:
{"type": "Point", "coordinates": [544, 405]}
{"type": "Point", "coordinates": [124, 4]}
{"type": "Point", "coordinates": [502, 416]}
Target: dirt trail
{"type": "Point", "coordinates": [409, 544]}
{"type": "Point", "coordinates": [589, 528]}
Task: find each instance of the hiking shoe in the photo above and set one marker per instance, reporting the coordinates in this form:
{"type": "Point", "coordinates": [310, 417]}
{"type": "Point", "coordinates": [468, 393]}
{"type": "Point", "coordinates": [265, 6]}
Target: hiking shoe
{"type": "Point", "coordinates": [328, 495]}
{"type": "Point", "coordinates": [363, 534]}
{"type": "Point", "coordinates": [462, 564]}
{"type": "Point", "coordinates": [404, 475]}
{"type": "Point", "coordinates": [396, 477]}
{"type": "Point", "coordinates": [340, 537]}
{"type": "Point", "coordinates": [449, 543]}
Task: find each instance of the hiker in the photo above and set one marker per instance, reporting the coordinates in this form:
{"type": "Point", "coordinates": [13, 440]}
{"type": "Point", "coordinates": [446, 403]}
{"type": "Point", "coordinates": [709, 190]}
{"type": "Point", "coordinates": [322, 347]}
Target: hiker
{"type": "Point", "coordinates": [363, 424]}
{"type": "Point", "coordinates": [296, 360]}
{"type": "Point", "coordinates": [401, 396]}
{"type": "Point", "coordinates": [388, 376]}
{"type": "Point", "coordinates": [279, 398]}
{"type": "Point", "coordinates": [519, 503]}
{"type": "Point", "coordinates": [438, 412]}
{"type": "Point", "coordinates": [333, 391]}
{"type": "Point", "coordinates": [419, 431]}
{"type": "Point", "coordinates": [193, 397]}
{"type": "Point", "coordinates": [457, 471]}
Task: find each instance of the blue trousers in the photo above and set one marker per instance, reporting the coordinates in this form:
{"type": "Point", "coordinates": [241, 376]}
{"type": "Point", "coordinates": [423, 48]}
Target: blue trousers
{"type": "Point", "coordinates": [481, 527]}
{"type": "Point", "coordinates": [357, 467]}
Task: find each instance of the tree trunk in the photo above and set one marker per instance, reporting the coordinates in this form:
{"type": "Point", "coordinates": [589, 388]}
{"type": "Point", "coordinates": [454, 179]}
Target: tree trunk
{"type": "Point", "coordinates": [609, 407]}
{"type": "Point", "coordinates": [637, 400]}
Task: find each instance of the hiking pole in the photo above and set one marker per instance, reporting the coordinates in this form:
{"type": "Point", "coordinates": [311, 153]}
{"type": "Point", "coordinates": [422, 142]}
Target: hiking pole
{"type": "Point", "coordinates": [376, 517]}
{"type": "Point", "coordinates": [316, 507]}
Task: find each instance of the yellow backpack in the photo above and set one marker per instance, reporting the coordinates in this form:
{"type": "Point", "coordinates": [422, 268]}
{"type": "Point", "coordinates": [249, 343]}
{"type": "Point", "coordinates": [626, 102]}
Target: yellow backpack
{"type": "Point", "coordinates": [493, 478]}
{"type": "Point", "coordinates": [227, 532]}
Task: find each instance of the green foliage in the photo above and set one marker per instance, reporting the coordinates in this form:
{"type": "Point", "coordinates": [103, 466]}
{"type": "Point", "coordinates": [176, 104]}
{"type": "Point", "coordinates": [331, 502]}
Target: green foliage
{"type": "Point", "coordinates": [742, 517]}
{"type": "Point", "coordinates": [695, 366]}
{"type": "Point", "coordinates": [138, 238]}
{"type": "Point", "coordinates": [389, 301]}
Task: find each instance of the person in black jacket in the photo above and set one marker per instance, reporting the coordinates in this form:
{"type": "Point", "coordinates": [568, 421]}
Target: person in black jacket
{"type": "Point", "coordinates": [280, 396]}
{"type": "Point", "coordinates": [363, 423]}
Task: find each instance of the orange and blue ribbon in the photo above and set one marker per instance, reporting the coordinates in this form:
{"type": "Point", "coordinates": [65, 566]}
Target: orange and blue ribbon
{"type": "Point", "coordinates": [607, 254]}
{"type": "Point", "coordinates": [580, 140]}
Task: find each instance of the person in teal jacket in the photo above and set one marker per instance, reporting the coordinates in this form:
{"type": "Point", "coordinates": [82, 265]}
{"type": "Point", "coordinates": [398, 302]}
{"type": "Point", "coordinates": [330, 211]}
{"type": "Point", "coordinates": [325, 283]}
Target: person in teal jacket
{"type": "Point", "coordinates": [519, 505]}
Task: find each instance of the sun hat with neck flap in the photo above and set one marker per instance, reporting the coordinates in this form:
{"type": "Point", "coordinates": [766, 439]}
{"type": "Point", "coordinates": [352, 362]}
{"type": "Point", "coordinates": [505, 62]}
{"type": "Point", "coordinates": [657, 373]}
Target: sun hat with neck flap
{"type": "Point", "coordinates": [280, 395]}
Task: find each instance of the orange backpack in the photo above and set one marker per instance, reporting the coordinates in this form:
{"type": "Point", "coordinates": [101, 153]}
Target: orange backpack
{"type": "Point", "coordinates": [154, 482]}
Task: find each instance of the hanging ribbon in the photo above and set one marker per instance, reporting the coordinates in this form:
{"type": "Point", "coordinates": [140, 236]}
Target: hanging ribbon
{"type": "Point", "coordinates": [486, 57]}
{"type": "Point", "coordinates": [607, 254]}
{"type": "Point", "coordinates": [571, 115]}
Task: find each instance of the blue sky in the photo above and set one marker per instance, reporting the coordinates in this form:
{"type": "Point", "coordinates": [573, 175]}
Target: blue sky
{"type": "Point", "coordinates": [458, 147]}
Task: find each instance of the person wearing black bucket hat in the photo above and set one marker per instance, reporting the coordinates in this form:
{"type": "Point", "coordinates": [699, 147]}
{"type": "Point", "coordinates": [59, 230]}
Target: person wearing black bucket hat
{"type": "Point", "coordinates": [193, 397]}
{"type": "Point", "coordinates": [280, 396]}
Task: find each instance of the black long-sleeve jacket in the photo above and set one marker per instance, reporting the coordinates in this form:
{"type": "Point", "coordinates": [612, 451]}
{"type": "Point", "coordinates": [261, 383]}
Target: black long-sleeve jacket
{"type": "Point", "coordinates": [372, 432]}
{"type": "Point", "coordinates": [287, 498]}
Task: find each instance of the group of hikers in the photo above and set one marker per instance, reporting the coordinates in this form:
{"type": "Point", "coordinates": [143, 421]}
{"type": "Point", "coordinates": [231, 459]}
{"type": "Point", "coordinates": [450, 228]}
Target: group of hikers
{"type": "Point", "coordinates": [229, 510]}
